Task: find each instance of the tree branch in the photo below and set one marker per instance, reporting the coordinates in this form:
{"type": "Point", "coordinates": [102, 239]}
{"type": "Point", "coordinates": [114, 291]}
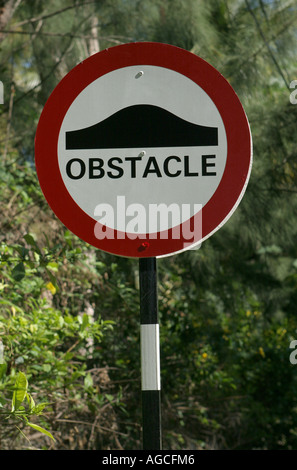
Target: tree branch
{"type": "Point", "coordinates": [50, 15]}
{"type": "Point", "coordinates": [6, 13]}
{"type": "Point", "coordinates": [266, 43]}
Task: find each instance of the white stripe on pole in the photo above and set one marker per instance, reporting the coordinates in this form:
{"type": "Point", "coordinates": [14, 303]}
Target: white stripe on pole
{"type": "Point", "coordinates": [150, 357]}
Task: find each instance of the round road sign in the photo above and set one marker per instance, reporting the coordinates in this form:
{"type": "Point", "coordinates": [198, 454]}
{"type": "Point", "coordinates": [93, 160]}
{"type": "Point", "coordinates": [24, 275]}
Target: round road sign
{"type": "Point", "coordinates": [143, 150]}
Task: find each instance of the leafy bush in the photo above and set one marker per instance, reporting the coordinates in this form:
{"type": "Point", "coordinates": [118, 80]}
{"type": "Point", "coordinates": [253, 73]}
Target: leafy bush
{"type": "Point", "coordinates": [49, 346]}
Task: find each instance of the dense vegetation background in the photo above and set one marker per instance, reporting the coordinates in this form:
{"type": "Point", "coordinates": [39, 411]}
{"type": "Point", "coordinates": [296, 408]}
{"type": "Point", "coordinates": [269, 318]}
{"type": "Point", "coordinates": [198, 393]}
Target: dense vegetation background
{"type": "Point", "coordinates": [69, 314]}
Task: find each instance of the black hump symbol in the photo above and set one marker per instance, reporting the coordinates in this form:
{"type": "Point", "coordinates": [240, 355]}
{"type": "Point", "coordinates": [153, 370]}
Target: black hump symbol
{"type": "Point", "coordinates": [141, 126]}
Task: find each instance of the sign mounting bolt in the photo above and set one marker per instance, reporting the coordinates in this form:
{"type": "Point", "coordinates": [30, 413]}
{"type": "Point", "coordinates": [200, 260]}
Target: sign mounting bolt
{"type": "Point", "coordinates": [139, 74]}
{"type": "Point", "coordinates": [143, 246]}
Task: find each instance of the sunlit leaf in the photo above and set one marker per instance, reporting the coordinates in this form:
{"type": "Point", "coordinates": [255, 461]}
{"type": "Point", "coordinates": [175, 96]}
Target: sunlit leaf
{"type": "Point", "coordinates": [40, 429]}
{"type": "Point", "coordinates": [51, 288]}
{"type": "Point", "coordinates": [21, 386]}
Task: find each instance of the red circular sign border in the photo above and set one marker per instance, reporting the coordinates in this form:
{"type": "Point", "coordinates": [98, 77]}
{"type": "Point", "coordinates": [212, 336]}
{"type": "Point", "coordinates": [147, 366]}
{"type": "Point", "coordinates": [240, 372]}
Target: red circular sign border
{"type": "Point", "coordinates": [239, 146]}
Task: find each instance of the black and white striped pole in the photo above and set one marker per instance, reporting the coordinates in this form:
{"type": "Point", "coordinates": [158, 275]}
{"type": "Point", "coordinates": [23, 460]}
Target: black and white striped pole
{"type": "Point", "coordinates": [150, 355]}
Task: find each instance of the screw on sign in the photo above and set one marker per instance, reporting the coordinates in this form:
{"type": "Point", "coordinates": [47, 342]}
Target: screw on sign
{"type": "Point", "coordinates": [144, 150]}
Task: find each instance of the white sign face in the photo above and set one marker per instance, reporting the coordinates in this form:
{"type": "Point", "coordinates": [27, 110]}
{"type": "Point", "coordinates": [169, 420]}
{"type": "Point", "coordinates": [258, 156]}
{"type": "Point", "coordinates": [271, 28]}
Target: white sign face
{"type": "Point", "coordinates": [128, 135]}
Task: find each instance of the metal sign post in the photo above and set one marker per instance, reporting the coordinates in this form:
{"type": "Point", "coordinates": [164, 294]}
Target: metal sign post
{"type": "Point", "coordinates": [150, 355]}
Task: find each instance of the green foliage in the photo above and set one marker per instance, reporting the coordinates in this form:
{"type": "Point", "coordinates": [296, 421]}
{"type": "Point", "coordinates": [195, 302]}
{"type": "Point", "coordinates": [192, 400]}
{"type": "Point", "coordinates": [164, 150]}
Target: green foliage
{"type": "Point", "coordinates": [51, 347]}
{"type": "Point", "coordinates": [19, 411]}
{"type": "Point", "coordinates": [47, 337]}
